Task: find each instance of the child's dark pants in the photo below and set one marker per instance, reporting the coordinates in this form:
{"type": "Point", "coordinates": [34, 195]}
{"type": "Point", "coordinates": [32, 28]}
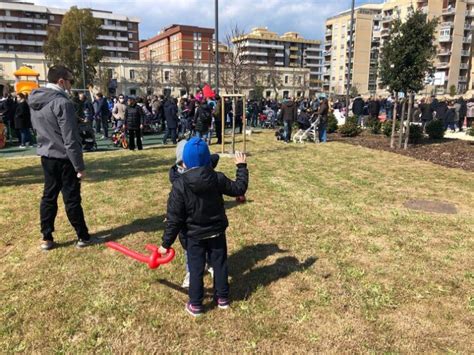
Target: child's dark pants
{"type": "Point", "coordinates": [216, 249]}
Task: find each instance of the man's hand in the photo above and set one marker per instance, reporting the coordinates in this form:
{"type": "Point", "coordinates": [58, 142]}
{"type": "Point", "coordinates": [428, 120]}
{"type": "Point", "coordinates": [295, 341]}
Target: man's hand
{"type": "Point", "coordinates": [162, 250]}
{"type": "Point", "coordinates": [240, 158]}
{"type": "Point", "coordinates": [81, 175]}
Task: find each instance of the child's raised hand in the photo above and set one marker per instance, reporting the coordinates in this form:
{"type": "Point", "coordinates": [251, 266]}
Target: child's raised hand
{"type": "Point", "coordinates": [162, 250]}
{"type": "Point", "coordinates": [240, 158]}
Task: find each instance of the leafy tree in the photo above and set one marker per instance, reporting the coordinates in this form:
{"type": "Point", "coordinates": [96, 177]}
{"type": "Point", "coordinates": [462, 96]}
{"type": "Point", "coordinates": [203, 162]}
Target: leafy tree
{"type": "Point", "coordinates": [354, 91]}
{"type": "Point", "coordinates": [62, 46]}
{"type": "Point", "coordinates": [407, 58]}
{"type": "Point", "coordinates": [452, 90]}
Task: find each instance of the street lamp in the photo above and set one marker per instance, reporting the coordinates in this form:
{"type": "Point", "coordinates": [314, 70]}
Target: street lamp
{"type": "Point", "coordinates": [150, 76]}
{"type": "Point", "coordinates": [350, 57]}
{"type": "Point", "coordinates": [216, 9]}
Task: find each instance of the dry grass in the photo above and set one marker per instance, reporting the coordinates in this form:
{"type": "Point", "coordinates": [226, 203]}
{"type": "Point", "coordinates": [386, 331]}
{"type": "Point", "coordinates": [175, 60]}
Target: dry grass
{"type": "Point", "coordinates": [324, 257]}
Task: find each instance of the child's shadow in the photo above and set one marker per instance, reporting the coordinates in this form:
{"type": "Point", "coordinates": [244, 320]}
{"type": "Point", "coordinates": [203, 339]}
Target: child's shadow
{"type": "Point", "coordinates": [246, 279]}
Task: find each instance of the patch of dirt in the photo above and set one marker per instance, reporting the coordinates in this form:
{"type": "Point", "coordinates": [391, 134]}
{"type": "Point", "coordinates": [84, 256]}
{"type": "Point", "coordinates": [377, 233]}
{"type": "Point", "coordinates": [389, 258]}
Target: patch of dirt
{"type": "Point", "coordinates": [431, 206]}
{"type": "Point", "coordinates": [452, 153]}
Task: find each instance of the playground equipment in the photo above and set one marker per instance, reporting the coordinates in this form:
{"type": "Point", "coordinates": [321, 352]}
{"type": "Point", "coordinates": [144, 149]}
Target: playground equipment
{"type": "Point", "coordinates": [234, 98]}
{"type": "Point", "coordinates": [26, 80]}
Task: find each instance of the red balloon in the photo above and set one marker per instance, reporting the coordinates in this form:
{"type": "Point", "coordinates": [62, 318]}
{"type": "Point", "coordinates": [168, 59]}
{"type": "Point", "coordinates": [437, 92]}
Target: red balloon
{"type": "Point", "coordinates": [153, 260]}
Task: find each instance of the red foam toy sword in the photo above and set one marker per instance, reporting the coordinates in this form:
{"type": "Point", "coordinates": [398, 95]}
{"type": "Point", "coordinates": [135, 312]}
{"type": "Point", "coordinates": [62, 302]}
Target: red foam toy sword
{"type": "Point", "coordinates": [153, 260]}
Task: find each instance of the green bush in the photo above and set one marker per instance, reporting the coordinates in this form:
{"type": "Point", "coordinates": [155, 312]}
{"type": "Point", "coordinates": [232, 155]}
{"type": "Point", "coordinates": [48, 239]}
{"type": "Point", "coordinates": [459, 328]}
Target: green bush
{"type": "Point", "coordinates": [352, 119]}
{"type": "Point", "coordinates": [387, 127]}
{"type": "Point", "coordinates": [332, 123]}
{"type": "Point", "coordinates": [349, 129]}
{"type": "Point", "coordinates": [435, 129]}
{"type": "Point", "coordinates": [416, 133]}
{"type": "Point", "coordinates": [375, 127]}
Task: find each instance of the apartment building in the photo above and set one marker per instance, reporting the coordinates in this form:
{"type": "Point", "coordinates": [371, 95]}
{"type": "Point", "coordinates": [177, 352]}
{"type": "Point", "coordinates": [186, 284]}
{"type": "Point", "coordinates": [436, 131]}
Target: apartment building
{"type": "Point", "coordinates": [454, 36]}
{"type": "Point", "coordinates": [180, 43]}
{"type": "Point", "coordinates": [24, 25]}
{"type": "Point", "coordinates": [365, 50]}
{"type": "Point", "coordinates": [453, 41]}
{"type": "Point", "coordinates": [267, 48]}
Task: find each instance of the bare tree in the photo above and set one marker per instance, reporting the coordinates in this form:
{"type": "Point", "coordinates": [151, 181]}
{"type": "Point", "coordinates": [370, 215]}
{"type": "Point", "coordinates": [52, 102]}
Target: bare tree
{"type": "Point", "coordinates": [274, 80]}
{"type": "Point", "coordinates": [184, 75]}
{"type": "Point", "coordinates": [149, 76]}
{"type": "Point", "coordinates": [237, 72]}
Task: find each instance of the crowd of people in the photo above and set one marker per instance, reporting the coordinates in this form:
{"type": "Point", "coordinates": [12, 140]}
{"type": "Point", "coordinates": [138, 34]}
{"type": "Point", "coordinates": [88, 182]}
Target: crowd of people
{"type": "Point", "coordinates": [200, 115]}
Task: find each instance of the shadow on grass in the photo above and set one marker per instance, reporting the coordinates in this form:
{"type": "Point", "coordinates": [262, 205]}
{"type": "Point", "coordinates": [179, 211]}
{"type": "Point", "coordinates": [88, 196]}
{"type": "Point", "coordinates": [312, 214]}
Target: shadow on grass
{"type": "Point", "coordinates": [107, 168]}
{"type": "Point", "coordinates": [246, 279]}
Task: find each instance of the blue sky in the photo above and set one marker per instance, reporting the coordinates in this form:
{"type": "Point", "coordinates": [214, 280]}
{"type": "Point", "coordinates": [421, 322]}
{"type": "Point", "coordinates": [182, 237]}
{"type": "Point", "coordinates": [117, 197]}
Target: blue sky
{"type": "Point", "coordinates": [304, 16]}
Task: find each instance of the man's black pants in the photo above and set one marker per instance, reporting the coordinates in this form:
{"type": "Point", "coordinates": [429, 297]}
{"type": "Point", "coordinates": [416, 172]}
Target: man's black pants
{"type": "Point", "coordinates": [215, 249]}
{"type": "Point", "coordinates": [60, 176]}
{"type": "Point", "coordinates": [132, 134]}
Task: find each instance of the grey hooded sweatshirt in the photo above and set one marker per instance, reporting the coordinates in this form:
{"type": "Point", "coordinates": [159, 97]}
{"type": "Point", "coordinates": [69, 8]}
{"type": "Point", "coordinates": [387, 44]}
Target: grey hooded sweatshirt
{"type": "Point", "coordinates": [54, 119]}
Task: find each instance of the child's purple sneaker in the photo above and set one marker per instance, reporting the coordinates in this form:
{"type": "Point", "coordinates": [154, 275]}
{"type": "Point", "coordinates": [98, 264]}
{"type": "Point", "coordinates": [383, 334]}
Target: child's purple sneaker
{"type": "Point", "coordinates": [223, 303]}
{"type": "Point", "coordinates": [195, 311]}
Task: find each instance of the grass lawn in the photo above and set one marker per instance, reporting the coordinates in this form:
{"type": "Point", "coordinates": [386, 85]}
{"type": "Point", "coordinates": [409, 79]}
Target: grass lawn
{"type": "Point", "coordinates": [323, 257]}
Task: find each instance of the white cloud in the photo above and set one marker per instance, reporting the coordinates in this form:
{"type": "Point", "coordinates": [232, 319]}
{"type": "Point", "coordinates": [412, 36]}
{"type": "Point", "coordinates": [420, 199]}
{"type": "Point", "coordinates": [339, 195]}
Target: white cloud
{"type": "Point", "coordinates": [304, 16]}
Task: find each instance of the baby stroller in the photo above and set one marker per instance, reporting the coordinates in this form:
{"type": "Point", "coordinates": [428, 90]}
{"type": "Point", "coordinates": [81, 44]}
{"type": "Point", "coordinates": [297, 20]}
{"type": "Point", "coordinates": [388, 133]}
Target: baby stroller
{"type": "Point", "coordinates": [87, 134]}
{"type": "Point", "coordinates": [308, 131]}
{"type": "Point", "coordinates": [119, 138]}
{"type": "Point", "coordinates": [269, 121]}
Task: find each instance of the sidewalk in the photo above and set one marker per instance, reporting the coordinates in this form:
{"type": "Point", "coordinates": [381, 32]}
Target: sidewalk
{"type": "Point", "coordinates": [102, 146]}
{"type": "Point", "coordinates": [459, 135]}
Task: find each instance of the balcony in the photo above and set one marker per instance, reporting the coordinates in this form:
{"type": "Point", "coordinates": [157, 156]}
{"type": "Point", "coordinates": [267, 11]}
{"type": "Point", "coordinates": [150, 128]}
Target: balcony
{"type": "Point", "coordinates": [445, 39]}
{"type": "Point", "coordinates": [328, 33]}
{"type": "Point", "coordinates": [449, 11]}
{"type": "Point", "coordinates": [470, 13]}
{"type": "Point", "coordinates": [258, 54]}
{"type": "Point", "coordinates": [262, 45]}
{"type": "Point", "coordinates": [462, 79]}
{"type": "Point", "coordinates": [110, 48]}
{"type": "Point", "coordinates": [114, 28]}
{"type": "Point", "coordinates": [387, 18]}
{"type": "Point", "coordinates": [444, 52]}
{"type": "Point", "coordinates": [112, 38]}
{"type": "Point", "coordinates": [466, 39]}
{"type": "Point", "coordinates": [464, 66]}
{"type": "Point", "coordinates": [312, 57]}
{"type": "Point", "coordinates": [467, 26]}
{"type": "Point", "coordinates": [24, 31]}
{"type": "Point", "coordinates": [327, 53]}
{"type": "Point", "coordinates": [23, 19]}
{"type": "Point", "coordinates": [385, 32]}
{"type": "Point", "coordinates": [465, 53]}
{"type": "Point", "coordinates": [442, 65]}
{"type": "Point", "coordinates": [377, 17]}
{"type": "Point", "coordinates": [449, 24]}
{"type": "Point", "coordinates": [292, 48]}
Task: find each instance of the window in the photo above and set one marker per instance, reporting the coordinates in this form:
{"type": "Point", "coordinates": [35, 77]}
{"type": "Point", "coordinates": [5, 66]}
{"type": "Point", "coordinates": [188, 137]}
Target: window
{"type": "Point", "coordinates": [130, 45]}
{"type": "Point", "coordinates": [111, 44]}
{"type": "Point", "coordinates": [133, 92]}
{"type": "Point", "coordinates": [110, 72]}
{"type": "Point", "coordinates": [7, 13]}
{"type": "Point", "coordinates": [51, 17]}
{"type": "Point", "coordinates": [8, 24]}
{"type": "Point", "coordinates": [197, 36]}
{"type": "Point", "coordinates": [446, 32]}
{"type": "Point", "coordinates": [130, 35]}
{"type": "Point", "coordinates": [167, 75]}
{"type": "Point", "coordinates": [268, 93]}
{"type": "Point", "coordinates": [286, 79]}
{"type": "Point", "coordinates": [130, 26]}
{"type": "Point", "coordinates": [132, 73]}
{"type": "Point", "coordinates": [198, 77]}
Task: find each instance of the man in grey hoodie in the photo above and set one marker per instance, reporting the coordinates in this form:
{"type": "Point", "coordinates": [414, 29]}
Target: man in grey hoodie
{"type": "Point", "coordinates": [59, 145]}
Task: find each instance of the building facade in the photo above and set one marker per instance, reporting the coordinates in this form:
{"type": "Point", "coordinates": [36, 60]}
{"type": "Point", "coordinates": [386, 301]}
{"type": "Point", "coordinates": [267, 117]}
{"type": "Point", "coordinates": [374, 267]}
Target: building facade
{"type": "Point", "coordinates": [365, 49]}
{"type": "Point", "coordinates": [453, 61]}
{"type": "Point", "coordinates": [137, 77]}
{"type": "Point", "coordinates": [23, 29]}
{"type": "Point", "coordinates": [180, 43]}
{"type": "Point", "coordinates": [290, 50]}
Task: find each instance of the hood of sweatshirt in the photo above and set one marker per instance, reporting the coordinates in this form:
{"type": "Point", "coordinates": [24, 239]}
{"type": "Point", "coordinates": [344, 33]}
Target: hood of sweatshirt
{"type": "Point", "coordinates": [39, 98]}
